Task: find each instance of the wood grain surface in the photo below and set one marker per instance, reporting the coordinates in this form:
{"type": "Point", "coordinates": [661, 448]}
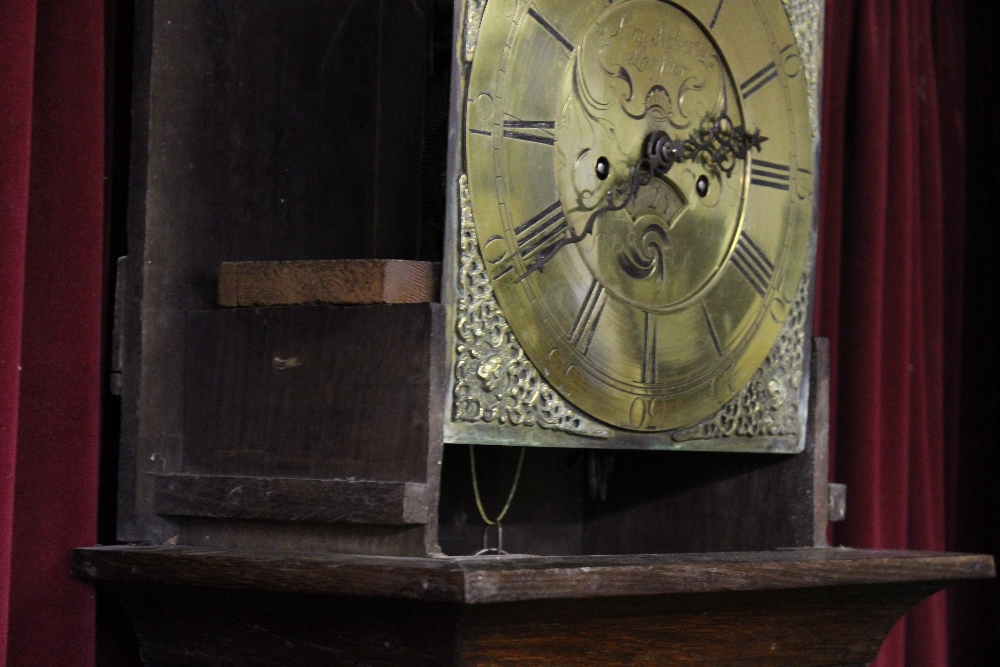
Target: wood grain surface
{"type": "Point", "coordinates": [795, 608]}
{"type": "Point", "coordinates": [291, 499]}
{"type": "Point", "coordinates": [330, 282]}
{"type": "Point", "coordinates": [313, 393]}
{"type": "Point", "coordinates": [489, 580]}
{"type": "Point", "coordinates": [783, 628]}
{"type": "Point", "coordinates": [319, 392]}
{"type": "Point", "coordinates": [261, 131]}
{"type": "Point", "coordinates": [801, 628]}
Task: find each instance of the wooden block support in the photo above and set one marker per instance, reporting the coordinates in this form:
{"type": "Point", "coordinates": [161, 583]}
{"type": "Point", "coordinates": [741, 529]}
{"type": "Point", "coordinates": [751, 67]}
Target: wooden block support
{"type": "Point", "coordinates": [327, 420]}
{"type": "Point", "coordinates": [328, 282]}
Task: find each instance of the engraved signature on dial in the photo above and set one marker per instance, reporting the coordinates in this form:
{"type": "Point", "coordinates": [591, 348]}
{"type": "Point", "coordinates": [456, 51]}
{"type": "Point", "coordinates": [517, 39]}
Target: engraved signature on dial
{"type": "Point", "coordinates": [644, 60]}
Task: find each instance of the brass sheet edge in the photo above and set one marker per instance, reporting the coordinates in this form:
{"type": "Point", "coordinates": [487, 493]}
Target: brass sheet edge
{"type": "Point", "coordinates": [806, 18]}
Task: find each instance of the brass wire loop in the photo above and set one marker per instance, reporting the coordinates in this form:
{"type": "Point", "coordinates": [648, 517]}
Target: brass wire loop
{"type": "Point", "coordinates": [482, 510]}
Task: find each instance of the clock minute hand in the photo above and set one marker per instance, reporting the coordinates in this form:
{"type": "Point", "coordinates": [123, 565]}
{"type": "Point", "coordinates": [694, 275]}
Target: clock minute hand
{"type": "Point", "coordinates": [720, 143]}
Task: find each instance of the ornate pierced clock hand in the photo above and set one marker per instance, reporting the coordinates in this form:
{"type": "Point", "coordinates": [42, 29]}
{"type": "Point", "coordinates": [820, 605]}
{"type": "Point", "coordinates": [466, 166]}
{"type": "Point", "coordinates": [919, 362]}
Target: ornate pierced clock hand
{"type": "Point", "coordinates": [717, 140]}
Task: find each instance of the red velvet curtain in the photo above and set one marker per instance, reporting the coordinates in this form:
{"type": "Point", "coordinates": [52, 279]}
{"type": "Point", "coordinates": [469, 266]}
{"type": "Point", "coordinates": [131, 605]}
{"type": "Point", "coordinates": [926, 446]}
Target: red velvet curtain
{"type": "Point", "coordinates": [52, 241]}
{"type": "Point", "coordinates": [890, 278]}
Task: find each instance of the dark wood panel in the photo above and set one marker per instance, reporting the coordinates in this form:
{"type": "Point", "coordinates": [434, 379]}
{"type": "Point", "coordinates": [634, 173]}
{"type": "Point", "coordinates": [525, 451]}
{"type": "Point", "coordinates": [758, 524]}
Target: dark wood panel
{"type": "Point", "coordinates": [318, 392]}
{"type": "Point", "coordinates": [328, 282]}
{"type": "Point", "coordinates": [818, 447]}
{"type": "Point", "coordinates": [262, 131]}
{"type": "Point", "coordinates": [813, 628]}
{"type": "Point", "coordinates": [405, 31]}
{"type": "Point", "coordinates": [323, 500]}
{"type": "Point", "coordinates": [660, 502]}
{"type": "Point", "coordinates": [802, 627]}
{"type": "Point", "coordinates": [546, 513]}
{"type": "Point", "coordinates": [304, 536]}
{"type": "Point", "coordinates": [787, 628]}
{"type": "Point", "coordinates": [404, 578]}
{"type": "Point", "coordinates": [793, 608]}
{"type": "Point", "coordinates": [278, 127]}
{"type": "Point", "coordinates": [214, 628]}
{"type": "Point", "coordinates": [136, 521]}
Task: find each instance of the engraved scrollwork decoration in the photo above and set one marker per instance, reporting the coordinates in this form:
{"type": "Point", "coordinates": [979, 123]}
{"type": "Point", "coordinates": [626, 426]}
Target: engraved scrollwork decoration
{"type": "Point", "coordinates": [614, 105]}
{"type": "Point", "coordinates": [494, 380]}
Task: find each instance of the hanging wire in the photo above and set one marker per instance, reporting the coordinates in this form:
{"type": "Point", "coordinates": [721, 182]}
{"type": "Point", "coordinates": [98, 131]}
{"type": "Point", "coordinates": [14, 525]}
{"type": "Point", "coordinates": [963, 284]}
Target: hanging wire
{"type": "Point", "coordinates": [482, 510]}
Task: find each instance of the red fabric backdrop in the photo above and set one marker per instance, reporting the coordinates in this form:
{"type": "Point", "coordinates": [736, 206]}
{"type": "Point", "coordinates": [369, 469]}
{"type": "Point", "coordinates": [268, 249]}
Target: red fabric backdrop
{"type": "Point", "coordinates": [17, 45]}
{"type": "Point", "coordinates": [890, 270]}
{"type": "Point", "coordinates": [890, 278]}
{"type": "Point", "coordinates": [52, 262]}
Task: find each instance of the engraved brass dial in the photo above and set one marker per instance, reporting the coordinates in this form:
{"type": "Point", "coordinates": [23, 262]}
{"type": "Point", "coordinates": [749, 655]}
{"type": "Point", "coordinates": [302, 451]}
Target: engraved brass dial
{"type": "Point", "coordinates": [663, 313]}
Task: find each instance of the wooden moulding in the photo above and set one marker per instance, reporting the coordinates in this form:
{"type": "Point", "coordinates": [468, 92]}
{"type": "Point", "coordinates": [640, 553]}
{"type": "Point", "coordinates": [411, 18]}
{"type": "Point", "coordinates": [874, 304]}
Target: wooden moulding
{"type": "Point", "coordinates": [285, 499]}
{"type": "Point", "coordinates": [490, 580]}
{"type": "Point", "coordinates": [793, 608]}
{"type": "Point", "coordinates": [328, 282]}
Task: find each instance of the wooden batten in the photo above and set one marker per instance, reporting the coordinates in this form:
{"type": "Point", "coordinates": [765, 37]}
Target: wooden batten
{"type": "Point", "coordinates": [329, 282]}
{"type": "Point", "coordinates": [289, 499]}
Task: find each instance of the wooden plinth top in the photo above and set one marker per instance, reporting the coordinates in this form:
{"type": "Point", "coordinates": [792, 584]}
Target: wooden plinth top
{"type": "Point", "coordinates": [485, 580]}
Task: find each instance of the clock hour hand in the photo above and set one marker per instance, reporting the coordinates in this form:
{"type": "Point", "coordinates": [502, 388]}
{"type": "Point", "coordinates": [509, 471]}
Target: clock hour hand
{"type": "Point", "coordinates": [717, 142]}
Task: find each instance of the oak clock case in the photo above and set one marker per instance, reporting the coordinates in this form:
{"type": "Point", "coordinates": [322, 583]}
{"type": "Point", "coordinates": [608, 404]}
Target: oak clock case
{"type": "Point", "coordinates": [632, 230]}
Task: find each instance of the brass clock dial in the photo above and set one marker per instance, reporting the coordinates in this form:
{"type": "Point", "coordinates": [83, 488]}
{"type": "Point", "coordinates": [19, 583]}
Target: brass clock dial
{"type": "Point", "coordinates": [666, 307]}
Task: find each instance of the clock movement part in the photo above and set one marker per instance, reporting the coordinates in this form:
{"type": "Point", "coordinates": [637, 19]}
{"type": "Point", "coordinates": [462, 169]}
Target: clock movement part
{"type": "Point", "coordinates": [717, 142]}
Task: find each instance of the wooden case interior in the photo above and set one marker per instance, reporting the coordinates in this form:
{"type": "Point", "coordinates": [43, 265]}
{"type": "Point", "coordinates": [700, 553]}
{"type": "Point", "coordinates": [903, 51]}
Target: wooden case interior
{"type": "Point", "coordinates": [309, 130]}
